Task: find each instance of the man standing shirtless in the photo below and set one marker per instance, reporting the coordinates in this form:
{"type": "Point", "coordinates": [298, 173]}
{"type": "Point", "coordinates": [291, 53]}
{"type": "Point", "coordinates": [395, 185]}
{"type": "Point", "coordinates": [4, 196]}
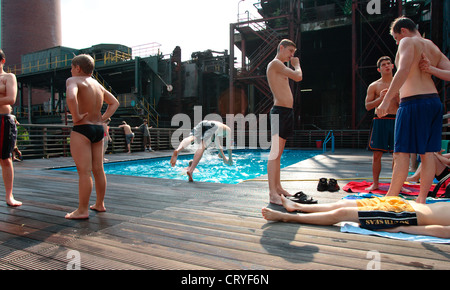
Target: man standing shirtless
{"type": "Point", "coordinates": [129, 135]}
{"type": "Point", "coordinates": [382, 133]}
{"type": "Point", "coordinates": [85, 97]}
{"type": "Point", "coordinates": [282, 113]}
{"type": "Point", "coordinates": [419, 117]}
{"type": "Point", "coordinates": [8, 94]}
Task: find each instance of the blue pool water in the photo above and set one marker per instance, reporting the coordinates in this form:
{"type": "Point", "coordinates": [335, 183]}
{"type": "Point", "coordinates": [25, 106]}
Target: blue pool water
{"type": "Point", "coordinates": [248, 164]}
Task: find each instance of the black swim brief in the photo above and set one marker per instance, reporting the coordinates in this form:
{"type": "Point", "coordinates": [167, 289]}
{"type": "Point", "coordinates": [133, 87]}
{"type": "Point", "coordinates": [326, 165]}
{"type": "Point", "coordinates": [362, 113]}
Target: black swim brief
{"type": "Point", "coordinates": [94, 133]}
{"type": "Point", "coordinates": [8, 135]}
{"type": "Point", "coordinates": [282, 121]}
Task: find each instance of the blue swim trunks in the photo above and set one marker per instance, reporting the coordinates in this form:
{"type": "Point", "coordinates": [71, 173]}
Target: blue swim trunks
{"type": "Point", "coordinates": [382, 134]}
{"type": "Point", "coordinates": [418, 126]}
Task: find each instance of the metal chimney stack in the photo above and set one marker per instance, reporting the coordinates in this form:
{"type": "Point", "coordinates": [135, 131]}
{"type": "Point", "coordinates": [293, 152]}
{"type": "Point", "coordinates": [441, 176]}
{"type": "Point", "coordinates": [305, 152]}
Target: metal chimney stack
{"type": "Point", "coordinates": [29, 26]}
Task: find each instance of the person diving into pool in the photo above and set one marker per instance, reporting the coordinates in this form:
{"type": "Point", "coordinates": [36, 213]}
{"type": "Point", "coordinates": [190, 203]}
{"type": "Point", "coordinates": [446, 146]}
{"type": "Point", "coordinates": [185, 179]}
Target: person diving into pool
{"type": "Point", "coordinates": [203, 135]}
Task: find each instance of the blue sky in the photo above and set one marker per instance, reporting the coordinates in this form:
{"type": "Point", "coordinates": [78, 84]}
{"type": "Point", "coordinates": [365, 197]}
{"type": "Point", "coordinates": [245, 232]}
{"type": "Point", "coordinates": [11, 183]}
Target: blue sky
{"type": "Point", "coordinates": [194, 25]}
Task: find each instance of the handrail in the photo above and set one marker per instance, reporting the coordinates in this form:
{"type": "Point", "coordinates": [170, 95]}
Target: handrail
{"type": "Point", "coordinates": [63, 61]}
{"type": "Point", "coordinates": [142, 103]}
{"type": "Point", "coordinates": [152, 114]}
{"type": "Point", "coordinates": [45, 141]}
{"type": "Point", "coordinates": [327, 139]}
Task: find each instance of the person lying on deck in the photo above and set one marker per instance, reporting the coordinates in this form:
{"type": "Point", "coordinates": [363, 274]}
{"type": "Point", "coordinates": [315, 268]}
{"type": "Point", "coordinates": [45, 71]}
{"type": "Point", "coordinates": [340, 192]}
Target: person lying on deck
{"type": "Point", "coordinates": [390, 213]}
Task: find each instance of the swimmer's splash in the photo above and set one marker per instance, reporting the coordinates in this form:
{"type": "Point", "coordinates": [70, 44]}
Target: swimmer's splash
{"type": "Point", "coordinates": [253, 122]}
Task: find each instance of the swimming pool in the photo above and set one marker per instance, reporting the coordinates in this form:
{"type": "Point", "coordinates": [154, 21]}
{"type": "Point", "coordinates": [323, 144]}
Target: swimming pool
{"type": "Point", "coordinates": [248, 164]}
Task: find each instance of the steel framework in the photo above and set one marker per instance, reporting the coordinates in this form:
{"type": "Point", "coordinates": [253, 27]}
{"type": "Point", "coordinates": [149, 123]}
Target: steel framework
{"type": "Point", "coordinates": [307, 21]}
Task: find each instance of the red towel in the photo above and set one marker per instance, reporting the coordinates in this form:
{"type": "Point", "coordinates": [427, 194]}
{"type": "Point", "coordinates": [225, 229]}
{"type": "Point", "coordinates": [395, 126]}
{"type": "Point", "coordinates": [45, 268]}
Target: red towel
{"type": "Point", "coordinates": [360, 186]}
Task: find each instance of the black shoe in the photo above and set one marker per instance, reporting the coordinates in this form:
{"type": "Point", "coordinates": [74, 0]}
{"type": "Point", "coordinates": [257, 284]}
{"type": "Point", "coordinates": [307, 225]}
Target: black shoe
{"type": "Point", "coordinates": [333, 186]}
{"type": "Point", "coordinates": [323, 184]}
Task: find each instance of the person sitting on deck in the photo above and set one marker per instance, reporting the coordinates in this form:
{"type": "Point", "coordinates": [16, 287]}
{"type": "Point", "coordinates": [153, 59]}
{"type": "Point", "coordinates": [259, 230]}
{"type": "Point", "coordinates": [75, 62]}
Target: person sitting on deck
{"type": "Point", "coordinates": [442, 165]}
{"type": "Point", "coordinates": [399, 215]}
{"type": "Point", "coordinates": [203, 134]}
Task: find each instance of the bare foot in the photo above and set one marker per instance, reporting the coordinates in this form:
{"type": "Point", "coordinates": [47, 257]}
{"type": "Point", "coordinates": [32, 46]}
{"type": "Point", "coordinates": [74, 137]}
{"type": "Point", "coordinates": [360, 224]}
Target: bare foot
{"type": "Point", "coordinates": [281, 191]}
{"type": "Point", "coordinates": [412, 179]}
{"type": "Point", "coordinates": [275, 198]}
{"type": "Point", "coordinates": [272, 215]}
{"type": "Point", "coordinates": [190, 176]}
{"type": "Point", "coordinates": [99, 208]}
{"type": "Point", "coordinates": [173, 160]}
{"type": "Point", "coordinates": [421, 199]}
{"type": "Point", "coordinates": [372, 187]}
{"type": "Point", "coordinates": [404, 190]}
{"type": "Point", "coordinates": [12, 202]}
{"type": "Point", "coordinates": [76, 216]}
{"type": "Point", "coordinates": [289, 205]}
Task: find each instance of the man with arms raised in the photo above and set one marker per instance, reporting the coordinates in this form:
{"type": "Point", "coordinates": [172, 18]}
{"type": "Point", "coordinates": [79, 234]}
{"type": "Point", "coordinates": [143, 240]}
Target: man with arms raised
{"type": "Point", "coordinates": [282, 113]}
{"type": "Point", "coordinates": [8, 93]}
{"type": "Point", "coordinates": [419, 117]}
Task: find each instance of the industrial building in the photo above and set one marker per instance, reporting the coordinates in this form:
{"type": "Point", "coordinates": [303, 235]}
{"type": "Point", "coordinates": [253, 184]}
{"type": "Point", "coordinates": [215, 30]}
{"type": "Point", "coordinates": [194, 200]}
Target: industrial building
{"type": "Point", "coordinates": [339, 43]}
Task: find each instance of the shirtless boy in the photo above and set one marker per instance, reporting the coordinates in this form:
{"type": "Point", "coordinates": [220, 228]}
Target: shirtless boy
{"type": "Point", "coordinates": [282, 113]}
{"type": "Point", "coordinates": [398, 215]}
{"type": "Point", "coordinates": [8, 94]}
{"type": "Point", "coordinates": [85, 97]}
{"type": "Point", "coordinates": [129, 135]}
{"type": "Point", "coordinates": [382, 133]}
{"type": "Point", "coordinates": [419, 117]}
{"type": "Point", "coordinates": [203, 134]}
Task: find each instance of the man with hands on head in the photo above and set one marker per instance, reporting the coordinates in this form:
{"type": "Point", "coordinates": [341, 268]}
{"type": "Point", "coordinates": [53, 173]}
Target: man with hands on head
{"type": "Point", "coordinates": [282, 113]}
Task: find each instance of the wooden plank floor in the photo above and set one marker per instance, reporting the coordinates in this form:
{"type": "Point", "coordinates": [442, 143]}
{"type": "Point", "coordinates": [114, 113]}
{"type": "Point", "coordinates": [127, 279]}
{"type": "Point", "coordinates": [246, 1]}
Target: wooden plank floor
{"type": "Point", "coordinates": [168, 224]}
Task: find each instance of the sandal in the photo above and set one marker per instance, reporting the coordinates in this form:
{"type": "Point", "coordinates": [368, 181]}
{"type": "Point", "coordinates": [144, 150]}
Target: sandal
{"type": "Point", "coordinates": [300, 197]}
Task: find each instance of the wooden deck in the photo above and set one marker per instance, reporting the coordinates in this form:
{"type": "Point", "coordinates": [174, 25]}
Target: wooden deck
{"type": "Point", "coordinates": [168, 224]}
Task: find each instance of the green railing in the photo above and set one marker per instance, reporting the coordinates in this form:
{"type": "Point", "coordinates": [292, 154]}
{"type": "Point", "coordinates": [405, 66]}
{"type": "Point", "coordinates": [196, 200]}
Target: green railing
{"type": "Point", "coordinates": [63, 61]}
{"type": "Point", "coordinates": [46, 141]}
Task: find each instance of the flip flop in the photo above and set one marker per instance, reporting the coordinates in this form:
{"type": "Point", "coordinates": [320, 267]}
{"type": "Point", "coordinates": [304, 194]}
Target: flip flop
{"type": "Point", "coordinates": [300, 197]}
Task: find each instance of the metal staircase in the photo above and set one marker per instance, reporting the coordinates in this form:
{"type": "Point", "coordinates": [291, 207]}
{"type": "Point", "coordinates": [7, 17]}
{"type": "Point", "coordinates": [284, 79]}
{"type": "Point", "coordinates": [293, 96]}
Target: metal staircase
{"type": "Point", "coordinates": [254, 72]}
{"type": "Point", "coordinates": [142, 107]}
